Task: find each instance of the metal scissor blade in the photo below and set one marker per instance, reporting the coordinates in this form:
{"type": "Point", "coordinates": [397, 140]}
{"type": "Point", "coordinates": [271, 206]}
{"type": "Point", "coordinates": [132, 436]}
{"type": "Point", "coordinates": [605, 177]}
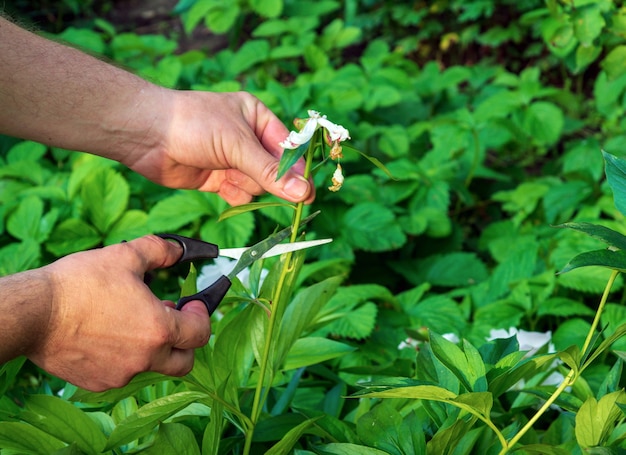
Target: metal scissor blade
{"type": "Point", "coordinates": [235, 253]}
{"type": "Point", "coordinates": [258, 250]}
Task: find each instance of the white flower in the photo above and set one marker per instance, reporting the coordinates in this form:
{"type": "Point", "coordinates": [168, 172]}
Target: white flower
{"type": "Point", "coordinates": [335, 133]}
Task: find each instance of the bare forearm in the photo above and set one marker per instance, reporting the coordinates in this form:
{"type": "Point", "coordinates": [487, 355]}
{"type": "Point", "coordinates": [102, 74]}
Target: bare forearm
{"type": "Point", "coordinates": [60, 96]}
{"type": "Point", "coordinates": [24, 312]}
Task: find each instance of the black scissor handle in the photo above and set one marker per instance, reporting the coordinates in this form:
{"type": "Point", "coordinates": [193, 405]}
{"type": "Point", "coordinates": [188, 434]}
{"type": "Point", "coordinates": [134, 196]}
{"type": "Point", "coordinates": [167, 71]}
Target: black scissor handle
{"type": "Point", "coordinates": [210, 296]}
{"type": "Point", "coordinates": [193, 249]}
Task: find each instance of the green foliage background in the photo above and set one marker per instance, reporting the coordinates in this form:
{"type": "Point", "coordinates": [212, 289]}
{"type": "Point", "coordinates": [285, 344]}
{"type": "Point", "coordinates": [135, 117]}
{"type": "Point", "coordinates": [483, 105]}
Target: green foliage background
{"type": "Point", "coordinates": [491, 117]}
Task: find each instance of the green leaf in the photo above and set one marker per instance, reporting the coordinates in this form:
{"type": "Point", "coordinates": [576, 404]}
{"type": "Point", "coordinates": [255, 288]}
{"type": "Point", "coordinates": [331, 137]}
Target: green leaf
{"type": "Point", "coordinates": [248, 55]}
{"type": "Point", "coordinates": [132, 224]}
{"type": "Point", "coordinates": [17, 257]}
{"type": "Point", "coordinates": [372, 227]}
{"type": "Point", "coordinates": [380, 427]}
{"type": "Point", "coordinates": [375, 161]}
{"type": "Point", "coordinates": [178, 210]}
{"type": "Point", "coordinates": [22, 438]}
{"type": "Point", "coordinates": [615, 62]}
{"type": "Point", "coordinates": [238, 209]}
{"type": "Point", "coordinates": [221, 17]}
{"type": "Point", "coordinates": [615, 260]}
{"type": "Point", "coordinates": [607, 235]}
{"type": "Point", "coordinates": [312, 350]}
{"type": "Point", "coordinates": [453, 358]}
{"type": "Point", "coordinates": [173, 438]}
{"type": "Point", "coordinates": [72, 235]}
{"type": "Point", "coordinates": [229, 232]}
{"type": "Point", "coordinates": [615, 169]}
{"type": "Point", "coordinates": [588, 24]}
{"type": "Point", "coordinates": [291, 438]}
{"type": "Point", "coordinates": [189, 285]}
{"type": "Point", "coordinates": [300, 313]}
{"type": "Point", "coordinates": [596, 419]}
{"type": "Point", "coordinates": [544, 122]}
{"type": "Point", "coordinates": [24, 222]}
{"type": "Point", "coordinates": [27, 151]}
{"type": "Point", "coordinates": [64, 421]}
{"type": "Point", "coordinates": [345, 448]}
{"type": "Point", "coordinates": [105, 197]}
{"type": "Point", "coordinates": [149, 416]}
{"type": "Point", "coordinates": [290, 157]}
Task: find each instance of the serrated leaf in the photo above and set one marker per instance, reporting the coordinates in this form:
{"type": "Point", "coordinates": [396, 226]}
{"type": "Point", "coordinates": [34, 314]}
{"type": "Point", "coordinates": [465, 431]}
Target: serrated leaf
{"type": "Point", "coordinates": [132, 224]}
{"type": "Point", "coordinates": [17, 257]}
{"type": "Point", "coordinates": [178, 210]}
{"type": "Point", "coordinates": [357, 324]}
{"type": "Point", "coordinates": [24, 222]}
{"type": "Point", "coordinates": [372, 227]}
{"type": "Point", "coordinates": [72, 235]}
{"type": "Point", "coordinates": [233, 232]}
{"type": "Point", "coordinates": [105, 197]}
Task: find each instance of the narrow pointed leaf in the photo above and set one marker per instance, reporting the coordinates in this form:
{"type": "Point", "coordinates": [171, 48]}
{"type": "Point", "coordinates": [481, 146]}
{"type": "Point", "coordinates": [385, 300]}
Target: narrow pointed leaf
{"type": "Point", "coordinates": [149, 416]}
{"type": "Point", "coordinates": [289, 440]}
{"type": "Point", "coordinates": [609, 236]}
{"type": "Point", "coordinates": [376, 162]}
{"type": "Point", "coordinates": [289, 158]}
{"type": "Point", "coordinates": [615, 169]}
{"type": "Point", "coordinates": [64, 421]}
{"type": "Point", "coordinates": [238, 209]}
{"type": "Point", "coordinates": [615, 260]}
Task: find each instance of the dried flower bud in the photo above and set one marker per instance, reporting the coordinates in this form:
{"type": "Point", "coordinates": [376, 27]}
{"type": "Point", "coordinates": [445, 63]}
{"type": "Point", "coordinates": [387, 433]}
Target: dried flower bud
{"type": "Point", "coordinates": [337, 179]}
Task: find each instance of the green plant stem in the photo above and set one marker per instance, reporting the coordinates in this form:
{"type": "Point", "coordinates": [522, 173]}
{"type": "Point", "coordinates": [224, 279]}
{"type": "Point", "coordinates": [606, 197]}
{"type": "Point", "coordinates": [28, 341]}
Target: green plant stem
{"type": "Point", "coordinates": [260, 391]}
{"type": "Point", "coordinates": [573, 373]}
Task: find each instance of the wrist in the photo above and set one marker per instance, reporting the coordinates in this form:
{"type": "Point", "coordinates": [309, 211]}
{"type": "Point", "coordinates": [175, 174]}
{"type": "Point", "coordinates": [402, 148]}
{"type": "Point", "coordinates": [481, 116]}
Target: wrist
{"type": "Point", "coordinates": [25, 312]}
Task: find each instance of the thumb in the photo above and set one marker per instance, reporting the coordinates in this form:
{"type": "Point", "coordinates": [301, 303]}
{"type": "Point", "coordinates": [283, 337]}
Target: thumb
{"type": "Point", "coordinates": [292, 186]}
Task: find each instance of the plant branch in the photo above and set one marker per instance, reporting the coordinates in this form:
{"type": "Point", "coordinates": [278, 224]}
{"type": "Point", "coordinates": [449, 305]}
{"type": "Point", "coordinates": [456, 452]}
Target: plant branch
{"type": "Point", "coordinates": [260, 393]}
{"type": "Point", "coordinates": [572, 375]}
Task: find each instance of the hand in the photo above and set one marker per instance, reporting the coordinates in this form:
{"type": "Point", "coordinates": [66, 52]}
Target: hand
{"type": "Point", "coordinates": [105, 324]}
{"type": "Point", "coordinates": [225, 143]}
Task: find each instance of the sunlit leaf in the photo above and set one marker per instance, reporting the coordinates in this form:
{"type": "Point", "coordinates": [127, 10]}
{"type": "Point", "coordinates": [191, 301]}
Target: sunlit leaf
{"type": "Point", "coordinates": [596, 419]}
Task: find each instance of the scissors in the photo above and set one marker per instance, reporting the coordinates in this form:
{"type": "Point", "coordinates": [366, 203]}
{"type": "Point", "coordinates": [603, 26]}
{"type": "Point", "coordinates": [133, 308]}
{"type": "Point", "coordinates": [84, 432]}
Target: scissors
{"type": "Point", "coordinates": [194, 249]}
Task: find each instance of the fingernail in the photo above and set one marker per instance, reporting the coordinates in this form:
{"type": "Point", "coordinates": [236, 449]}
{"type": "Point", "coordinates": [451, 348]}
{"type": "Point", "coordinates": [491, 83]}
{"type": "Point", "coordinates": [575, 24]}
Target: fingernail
{"type": "Point", "coordinates": [297, 187]}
